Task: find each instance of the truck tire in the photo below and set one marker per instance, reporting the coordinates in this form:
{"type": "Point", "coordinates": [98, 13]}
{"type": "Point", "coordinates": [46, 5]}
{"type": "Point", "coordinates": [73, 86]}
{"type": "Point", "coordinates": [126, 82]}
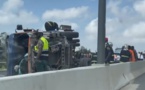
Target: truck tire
{"type": "Point", "coordinates": [53, 35]}
{"type": "Point", "coordinates": [74, 40]}
{"type": "Point", "coordinates": [51, 26]}
{"type": "Point", "coordinates": [1, 50]}
{"type": "Point", "coordinates": [70, 34]}
{"type": "Point", "coordinates": [75, 44]}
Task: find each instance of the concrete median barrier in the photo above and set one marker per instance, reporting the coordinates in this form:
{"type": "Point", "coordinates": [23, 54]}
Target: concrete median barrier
{"type": "Point", "coordinates": [121, 74]}
{"type": "Point", "coordinates": [117, 74]}
{"type": "Point", "coordinates": [74, 79]}
{"type": "Point", "coordinates": [98, 77]}
{"type": "Point", "coordinates": [137, 69]}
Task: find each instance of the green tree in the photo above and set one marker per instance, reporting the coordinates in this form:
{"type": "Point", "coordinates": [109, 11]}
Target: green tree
{"type": "Point", "coordinates": [82, 49]}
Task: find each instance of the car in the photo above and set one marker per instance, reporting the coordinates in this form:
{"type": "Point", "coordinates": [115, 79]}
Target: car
{"type": "Point", "coordinates": [117, 54]}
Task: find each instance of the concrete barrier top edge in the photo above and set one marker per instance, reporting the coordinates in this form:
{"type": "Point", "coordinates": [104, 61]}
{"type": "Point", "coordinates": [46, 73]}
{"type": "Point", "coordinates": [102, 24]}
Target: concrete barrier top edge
{"type": "Point", "coordinates": [49, 72]}
{"type": "Point", "coordinates": [59, 71]}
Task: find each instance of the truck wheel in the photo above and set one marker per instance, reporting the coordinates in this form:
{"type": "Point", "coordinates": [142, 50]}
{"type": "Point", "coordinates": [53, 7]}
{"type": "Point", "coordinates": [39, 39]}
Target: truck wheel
{"type": "Point", "coordinates": [75, 44]}
{"type": "Point", "coordinates": [74, 40]}
{"type": "Point", "coordinates": [51, 26]}
{"type": "Point", "coordinates": [70, 34]}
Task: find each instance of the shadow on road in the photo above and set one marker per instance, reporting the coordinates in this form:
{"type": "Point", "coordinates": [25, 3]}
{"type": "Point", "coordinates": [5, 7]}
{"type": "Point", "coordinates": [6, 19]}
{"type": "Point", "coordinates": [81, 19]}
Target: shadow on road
{"type": "Point", "coordinates": [137, 84]}
{"type": "Point", "coordinates": [140, 81]}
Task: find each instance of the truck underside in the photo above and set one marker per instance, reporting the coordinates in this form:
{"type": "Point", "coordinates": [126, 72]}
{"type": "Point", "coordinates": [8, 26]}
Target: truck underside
{"type": "Point", "coordinates": [62, 46]}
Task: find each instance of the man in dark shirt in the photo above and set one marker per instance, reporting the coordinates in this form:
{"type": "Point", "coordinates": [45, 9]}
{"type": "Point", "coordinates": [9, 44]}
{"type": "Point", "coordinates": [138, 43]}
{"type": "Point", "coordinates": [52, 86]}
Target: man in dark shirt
{"type": "Point", "coordinates": [109, 53]}
{"type": "Point", "coordinates": [125, 54]}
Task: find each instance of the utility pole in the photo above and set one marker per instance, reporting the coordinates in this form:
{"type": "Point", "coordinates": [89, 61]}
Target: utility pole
{"type": "Point", "coordinates": [101, 31]}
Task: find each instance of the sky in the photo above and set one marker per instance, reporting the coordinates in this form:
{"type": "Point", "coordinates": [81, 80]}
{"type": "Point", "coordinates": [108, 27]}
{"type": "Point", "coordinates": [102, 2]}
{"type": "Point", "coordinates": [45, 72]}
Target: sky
{"type": "Point", "coordinates": [125, 19]}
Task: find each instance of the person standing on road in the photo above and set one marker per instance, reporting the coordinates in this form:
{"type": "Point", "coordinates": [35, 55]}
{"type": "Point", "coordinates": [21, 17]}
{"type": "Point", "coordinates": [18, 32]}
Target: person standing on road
{"type": "Point", "coordinates": [135, 53]}
{"type": "Point", "coordinates": [125, 54]}
{"type": "Point", "coordinates": [143, 55]}
{"type": "Point", "coordinates": [132, 58]}
{"type": "Point", "coordinates": [41, 52]}
{"type": "Point", "coordinates": [109, 53]}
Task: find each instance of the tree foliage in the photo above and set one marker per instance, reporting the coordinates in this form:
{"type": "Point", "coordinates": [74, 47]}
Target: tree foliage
{"type": "Point", "coordinates": [84, 50]}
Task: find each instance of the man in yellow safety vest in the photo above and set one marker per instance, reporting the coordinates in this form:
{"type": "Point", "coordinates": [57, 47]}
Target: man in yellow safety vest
{"type": "Point", "coordinates": [41, 53]}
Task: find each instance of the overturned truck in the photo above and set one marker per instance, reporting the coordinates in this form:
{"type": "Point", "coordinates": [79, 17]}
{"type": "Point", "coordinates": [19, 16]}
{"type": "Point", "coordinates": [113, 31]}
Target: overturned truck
{"type": "Point", "coordinates": [63, 41]}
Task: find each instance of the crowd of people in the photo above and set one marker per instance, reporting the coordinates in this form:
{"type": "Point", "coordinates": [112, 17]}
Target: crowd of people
{"type": "Point", "coordinates": [128, 53]}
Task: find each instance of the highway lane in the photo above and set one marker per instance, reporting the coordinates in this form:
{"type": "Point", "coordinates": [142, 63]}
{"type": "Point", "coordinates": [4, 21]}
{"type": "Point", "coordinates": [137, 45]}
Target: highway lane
{"type": "Point", "coordinates": [137, 84]}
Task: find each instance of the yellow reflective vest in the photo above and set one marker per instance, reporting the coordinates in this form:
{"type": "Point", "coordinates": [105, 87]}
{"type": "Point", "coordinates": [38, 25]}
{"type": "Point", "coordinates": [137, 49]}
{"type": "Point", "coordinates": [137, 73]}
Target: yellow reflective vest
{"type": "Point", "coordinates": [45, 44]}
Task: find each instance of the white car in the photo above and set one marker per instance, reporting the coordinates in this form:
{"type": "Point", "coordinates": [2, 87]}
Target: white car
{"type": "Point", "coordinates": [117, 54]}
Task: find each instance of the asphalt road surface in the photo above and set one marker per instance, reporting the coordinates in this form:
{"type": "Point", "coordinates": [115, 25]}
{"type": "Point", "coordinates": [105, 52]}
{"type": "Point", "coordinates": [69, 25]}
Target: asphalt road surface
{"type": "Point", "coordinates": [137, 84]}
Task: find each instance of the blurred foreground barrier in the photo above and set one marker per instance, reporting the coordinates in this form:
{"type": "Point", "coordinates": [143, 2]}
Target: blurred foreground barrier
{"type": "Point", "coordinates": [99, 77]}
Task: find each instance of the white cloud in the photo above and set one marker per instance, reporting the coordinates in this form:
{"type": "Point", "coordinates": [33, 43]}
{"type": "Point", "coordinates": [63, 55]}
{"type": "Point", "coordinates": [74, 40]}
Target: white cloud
{"type": "Point", "coordinates": [112, 26]}
{"type": "Point", "coordinates": [12, 5]}
{"type": "Point", "coordinates": [66, 16]}
{"type": "Point", "coordinates": [113, 7]}
{"type": "Point", "coordinates": [139, 6]}
{"type": "Point", "coordinates": [92, 30]}
{"type": "Point", "coordinates": [72, 24]}
{"type": "Point", "coordinates": [123, 13]}
{"type": "Point", "coordinates": [136, 31]}
{"type": "Point", "coordinates": [69, 13]}
{"type": "Point", "coordinates": [12, 13]}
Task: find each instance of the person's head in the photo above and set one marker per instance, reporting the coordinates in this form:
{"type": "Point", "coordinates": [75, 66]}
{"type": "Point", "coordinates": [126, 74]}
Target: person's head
{"type": "Point", "coordinates": [129, 47]}
{"type": "Point", "coordinates": [36, 36]}
{"type": "Point", "coordinates": [106, 39]}
{"type": "Point", "coordinates": [125, 47]}
{"type": "Point", "coordinates": [141, 52]}
{"type": "Point", "coordinates": [132, 47]}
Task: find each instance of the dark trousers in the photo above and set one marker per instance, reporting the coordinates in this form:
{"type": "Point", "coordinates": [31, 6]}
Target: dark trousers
{"type": "Point", "coordinates": [124, 59]}
{"type": "Point", "coordinates": [41, 65]}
